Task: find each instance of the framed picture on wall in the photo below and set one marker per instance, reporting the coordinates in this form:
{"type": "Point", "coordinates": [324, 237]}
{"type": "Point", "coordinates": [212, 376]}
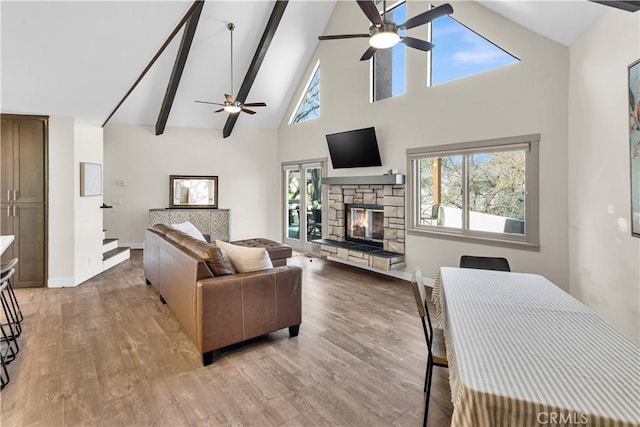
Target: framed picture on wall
{"type": "Point", "coordinates": [634, 145]}
{"type": "Point", "coordinates": [90, 179]}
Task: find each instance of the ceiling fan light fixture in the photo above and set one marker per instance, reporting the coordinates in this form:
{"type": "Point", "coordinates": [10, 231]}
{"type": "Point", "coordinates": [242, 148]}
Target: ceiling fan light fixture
{"type": "Point", "coordinates": [384, 39]}
{"type": "Point", "coordinates": [232, 109]}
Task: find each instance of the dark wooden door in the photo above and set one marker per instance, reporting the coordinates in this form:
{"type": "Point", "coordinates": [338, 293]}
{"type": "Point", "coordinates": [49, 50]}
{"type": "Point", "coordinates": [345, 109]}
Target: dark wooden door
{"type": "Point", "coordinates": [23, 187]}
{"type": "Point", "coordinates": [6, 167]}
{"type": "Point", "coordinates": [28, 166]}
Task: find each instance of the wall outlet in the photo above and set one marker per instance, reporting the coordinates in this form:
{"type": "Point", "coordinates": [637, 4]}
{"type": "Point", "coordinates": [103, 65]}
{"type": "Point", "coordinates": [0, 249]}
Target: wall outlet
{"type": "Point", "coordinates": [122, 182]}
{"type": "Point", "coordinates": [116, 201]}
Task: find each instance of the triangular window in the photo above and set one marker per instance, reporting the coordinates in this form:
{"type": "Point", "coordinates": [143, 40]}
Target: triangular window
{"type": "Point", "coordinates": [309, 104]}
{"type": "Point", "coordinates": [461, 52]}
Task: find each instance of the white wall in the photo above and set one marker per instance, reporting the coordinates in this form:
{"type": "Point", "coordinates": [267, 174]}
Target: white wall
{"type": "Point", "coordinates": [61, 202]}
{"type": "Point", "coordinates": [74, 222]}
{"type": "Point", "coordinates": [87, 212]}
{"type": "Point", "coordinates": [604, 258]}
{"type": "Point", "coordinates": [528, 97]}
{"type": "Point", "coordinates": [245, 164]}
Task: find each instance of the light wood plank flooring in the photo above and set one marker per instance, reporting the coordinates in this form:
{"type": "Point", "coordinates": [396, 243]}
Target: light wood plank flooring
{"type": "Point", "coordinates": [108, 353]}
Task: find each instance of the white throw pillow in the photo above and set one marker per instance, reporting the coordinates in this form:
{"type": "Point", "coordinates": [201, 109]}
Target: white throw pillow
{"type": "Point", "coordinates": [246, 259]}
{"type": "Point", "coordinates": [190, 229]}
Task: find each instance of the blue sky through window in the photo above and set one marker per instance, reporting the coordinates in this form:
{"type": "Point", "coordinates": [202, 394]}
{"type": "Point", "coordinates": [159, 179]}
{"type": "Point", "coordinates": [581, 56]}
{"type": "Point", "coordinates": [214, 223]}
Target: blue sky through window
{"type": "Point", "coordinates": [460, 52]}
{"type": "Point", "coordinates": [399, 14]}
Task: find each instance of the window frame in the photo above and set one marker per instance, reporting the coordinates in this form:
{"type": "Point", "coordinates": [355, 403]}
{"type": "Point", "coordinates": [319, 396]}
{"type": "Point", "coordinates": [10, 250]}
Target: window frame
{"type": "Point", "coordinates": [531, 238]}
{"type": "Point", "coordinates": [304, 92]}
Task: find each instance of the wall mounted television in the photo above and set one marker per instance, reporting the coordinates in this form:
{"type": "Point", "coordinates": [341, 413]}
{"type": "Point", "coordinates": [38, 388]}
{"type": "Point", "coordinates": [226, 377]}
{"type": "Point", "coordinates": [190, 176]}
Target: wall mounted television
{"type": "Point", "coordinates": [354, 149]}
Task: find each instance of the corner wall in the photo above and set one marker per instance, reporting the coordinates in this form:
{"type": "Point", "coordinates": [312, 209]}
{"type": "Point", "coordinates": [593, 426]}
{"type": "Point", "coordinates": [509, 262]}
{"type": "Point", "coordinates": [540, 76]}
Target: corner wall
{"type": "Point", "coordinates": [524, 98]}
{"type": "Point", "coordinates": [74, 222]}
{"type": "Point", "coordinates": [604, 258]}
{"type": "Point", "coordinates": [61, 201]}
{"type": "Point", "coordinates": [245, 163]}
{"type": "Point", "coordinates": [88, 215]}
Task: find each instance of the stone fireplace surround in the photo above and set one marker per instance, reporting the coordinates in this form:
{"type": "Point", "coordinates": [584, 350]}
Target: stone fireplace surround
{"type": "Point", "coordinates": [387, 191]}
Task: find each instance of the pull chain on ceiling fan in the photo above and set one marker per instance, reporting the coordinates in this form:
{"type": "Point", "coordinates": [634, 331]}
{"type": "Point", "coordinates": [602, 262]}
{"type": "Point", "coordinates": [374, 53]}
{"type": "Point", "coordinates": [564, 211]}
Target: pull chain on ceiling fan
{"type": "Point", "coordinates": [383, 33]}
{"type": "Point", "coordinates": [232, 105]}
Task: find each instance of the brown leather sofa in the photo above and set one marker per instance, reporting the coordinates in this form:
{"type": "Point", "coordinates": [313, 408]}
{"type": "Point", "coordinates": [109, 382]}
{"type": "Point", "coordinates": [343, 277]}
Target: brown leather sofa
{"type": "Point", "coordinates": [216, 305]}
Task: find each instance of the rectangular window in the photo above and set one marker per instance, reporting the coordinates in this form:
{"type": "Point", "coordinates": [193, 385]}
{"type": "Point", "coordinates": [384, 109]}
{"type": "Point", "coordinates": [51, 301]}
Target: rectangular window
{"type": "Point", "coordinates": [482, 190]}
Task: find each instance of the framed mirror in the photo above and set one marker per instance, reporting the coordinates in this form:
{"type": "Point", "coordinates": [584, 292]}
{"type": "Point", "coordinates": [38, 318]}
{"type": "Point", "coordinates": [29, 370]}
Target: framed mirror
{"type": "Point", "coordinates": [189, 191]}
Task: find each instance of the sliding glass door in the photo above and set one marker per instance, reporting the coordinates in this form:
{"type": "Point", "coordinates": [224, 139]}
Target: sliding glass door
{"type": "Point", "coordinates": [303, 203]}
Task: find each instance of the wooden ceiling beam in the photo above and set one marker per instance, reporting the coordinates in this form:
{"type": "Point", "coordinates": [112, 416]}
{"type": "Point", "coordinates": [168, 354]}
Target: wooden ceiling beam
{"type": "Point", "coordinates": [175, 31]}
{"type": "Point", "coordinates": [629, 6]}
{"type": "Point", "coordinates": [261, 52]}
{"type": "Point", "coordinates": [178, 67]}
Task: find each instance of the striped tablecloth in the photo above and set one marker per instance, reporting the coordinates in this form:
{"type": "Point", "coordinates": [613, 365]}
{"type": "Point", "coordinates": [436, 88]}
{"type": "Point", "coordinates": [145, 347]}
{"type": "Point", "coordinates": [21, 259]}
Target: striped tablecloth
{"type": "Point", "coordinates": [522, 352]}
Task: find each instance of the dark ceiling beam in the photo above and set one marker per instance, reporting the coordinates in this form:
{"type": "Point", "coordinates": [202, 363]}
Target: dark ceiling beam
{"type": "Point", "coordinates": [629, 6]}
{"type": "Point", "coordinates": [175, 31]}
{"type": "Point", "coordinates": [261, 52]}
{"type": "Point", "coordinates": [178, 67]}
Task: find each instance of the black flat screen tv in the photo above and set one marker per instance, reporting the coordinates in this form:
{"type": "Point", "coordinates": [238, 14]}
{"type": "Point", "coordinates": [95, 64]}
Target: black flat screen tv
{"type": "Point", "coordinates": [354, 149]}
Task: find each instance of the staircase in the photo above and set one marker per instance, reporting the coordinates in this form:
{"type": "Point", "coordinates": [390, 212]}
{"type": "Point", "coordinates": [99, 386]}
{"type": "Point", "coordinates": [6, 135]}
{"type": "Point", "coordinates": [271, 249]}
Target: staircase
{"type": "Point", "coordinates": [111, 253]}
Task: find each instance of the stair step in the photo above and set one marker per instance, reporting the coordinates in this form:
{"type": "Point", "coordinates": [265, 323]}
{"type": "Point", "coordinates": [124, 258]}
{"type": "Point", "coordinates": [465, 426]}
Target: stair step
{"type": "Point", "coordinates": [109, 244]}
{"type": "Point", "coordinates": [115, 257]}
{"type": "Point", "coordinates": [113, 252]}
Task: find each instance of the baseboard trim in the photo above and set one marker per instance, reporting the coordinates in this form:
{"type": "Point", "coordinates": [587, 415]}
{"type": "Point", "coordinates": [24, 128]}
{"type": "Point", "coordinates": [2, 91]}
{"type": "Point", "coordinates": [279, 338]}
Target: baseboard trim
{"type": "Point", "coordinates": [66, 282]}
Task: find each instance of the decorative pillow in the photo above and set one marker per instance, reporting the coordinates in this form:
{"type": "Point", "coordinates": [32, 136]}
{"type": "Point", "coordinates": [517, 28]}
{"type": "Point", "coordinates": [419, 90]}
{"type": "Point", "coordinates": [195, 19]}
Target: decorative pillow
{"type": "Point", "coordinates": [190, 229]}
{"type": "Point", "coordinates": [219, 263]}
{"type": "Point", "coordinates": [246, 259]}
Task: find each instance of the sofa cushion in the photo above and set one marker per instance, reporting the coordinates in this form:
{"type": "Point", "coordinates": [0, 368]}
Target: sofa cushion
{"type": "Point", "coordinates": [177, 236]}
{"type": "Point", "coordinates": [246, 259]}
{"type": "Point", "coordinates": [219, 263]}
{"type": "Point", "coordinates": [161, 228]}
{"type": "Point", "coordinates": [214, 257]}
{"type": "Point", "coordinates": [190, 229]}
{"type": "Point", "coordinates": [202, 249]}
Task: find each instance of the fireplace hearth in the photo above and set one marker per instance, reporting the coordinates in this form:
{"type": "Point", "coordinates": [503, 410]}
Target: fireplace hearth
{"type": "Point", "coordinates": [364, 224]}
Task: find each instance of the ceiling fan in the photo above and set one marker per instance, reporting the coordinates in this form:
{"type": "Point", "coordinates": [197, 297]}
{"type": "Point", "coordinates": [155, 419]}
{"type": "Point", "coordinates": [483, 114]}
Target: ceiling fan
{"type": "Point", "coordinates": [232, 105]}
{"type": "Point", "coordinates": [383, 33]}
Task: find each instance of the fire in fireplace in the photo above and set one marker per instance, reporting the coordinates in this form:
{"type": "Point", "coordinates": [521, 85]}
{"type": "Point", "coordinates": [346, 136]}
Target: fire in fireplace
{"type": "Point", "coordinates": [364, 224]}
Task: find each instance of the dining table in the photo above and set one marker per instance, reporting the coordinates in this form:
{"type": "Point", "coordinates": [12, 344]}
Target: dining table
{"type": "Point", "coordinates": [523, 352]}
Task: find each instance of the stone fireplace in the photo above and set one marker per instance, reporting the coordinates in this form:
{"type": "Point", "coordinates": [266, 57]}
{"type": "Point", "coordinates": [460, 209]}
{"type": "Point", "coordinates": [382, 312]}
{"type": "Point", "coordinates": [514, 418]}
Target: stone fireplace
{"type": "Point", "coordinates": [372, 208]}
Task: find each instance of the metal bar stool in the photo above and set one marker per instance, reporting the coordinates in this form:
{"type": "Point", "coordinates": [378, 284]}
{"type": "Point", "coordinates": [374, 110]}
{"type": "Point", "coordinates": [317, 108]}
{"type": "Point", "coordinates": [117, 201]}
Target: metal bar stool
{"type": "Point", "coordinates": [6, 350]}
{"type": "Point", "coordinates": [4, 269]}
{"type": "Point", "coordinates": [8, 340]}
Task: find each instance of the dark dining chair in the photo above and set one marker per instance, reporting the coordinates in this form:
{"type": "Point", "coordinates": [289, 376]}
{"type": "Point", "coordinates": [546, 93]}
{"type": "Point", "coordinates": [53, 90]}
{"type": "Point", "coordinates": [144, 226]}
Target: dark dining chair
{"type": "Point", "coordinates": [484, 263]}
{"type": "Point", "coordinates": [434, 337]}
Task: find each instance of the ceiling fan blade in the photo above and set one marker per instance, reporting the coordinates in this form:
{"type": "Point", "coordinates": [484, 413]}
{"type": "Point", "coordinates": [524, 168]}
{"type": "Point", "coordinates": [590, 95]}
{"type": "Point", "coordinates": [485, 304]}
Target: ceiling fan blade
{"type": "Point", "coordinates": [417, 43]}
{"type": "Point", "coordinates": [229, 98]}
{"type": "Point", "coordinates": [428, 16]}
{"type": "Point", "coordinates": [254, 104]}
{"type": "Point", "coordinates": [207, 102]}
{"type": "Point", "coordinates": [369, 53]}
{"type": "Point", "coordinates": [244, 110]}
{"type": "Point", "coordinates": [219, 111]}
{"type": "Point", "coordinates": [370, 9]}
{"type": "Point", "coordinates": [343, 36]}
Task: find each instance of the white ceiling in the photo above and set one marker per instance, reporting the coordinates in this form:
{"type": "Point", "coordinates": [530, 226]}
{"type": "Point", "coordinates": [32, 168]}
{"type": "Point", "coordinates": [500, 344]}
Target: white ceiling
{"type": "Point", "coordinates": [80, 58]}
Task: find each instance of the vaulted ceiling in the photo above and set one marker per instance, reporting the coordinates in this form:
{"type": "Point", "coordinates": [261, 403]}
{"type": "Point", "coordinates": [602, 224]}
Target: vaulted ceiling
{"type": "Point", "coordinates": [80, 58]}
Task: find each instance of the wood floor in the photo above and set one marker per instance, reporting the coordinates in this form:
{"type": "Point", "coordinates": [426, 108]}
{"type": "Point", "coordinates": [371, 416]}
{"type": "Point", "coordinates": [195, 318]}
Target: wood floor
{"type": "Point", "coordinates": [108, 353]}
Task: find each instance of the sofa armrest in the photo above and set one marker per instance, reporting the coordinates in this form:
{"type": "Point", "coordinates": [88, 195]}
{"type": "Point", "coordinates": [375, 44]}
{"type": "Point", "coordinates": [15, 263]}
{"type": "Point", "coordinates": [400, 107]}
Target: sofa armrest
{"type": "Point", "coordinates": [237, 307]}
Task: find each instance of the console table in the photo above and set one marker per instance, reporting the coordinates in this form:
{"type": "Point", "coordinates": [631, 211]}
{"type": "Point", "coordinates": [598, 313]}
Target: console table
{"type": "Point", "coordinates": [211, 222]}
